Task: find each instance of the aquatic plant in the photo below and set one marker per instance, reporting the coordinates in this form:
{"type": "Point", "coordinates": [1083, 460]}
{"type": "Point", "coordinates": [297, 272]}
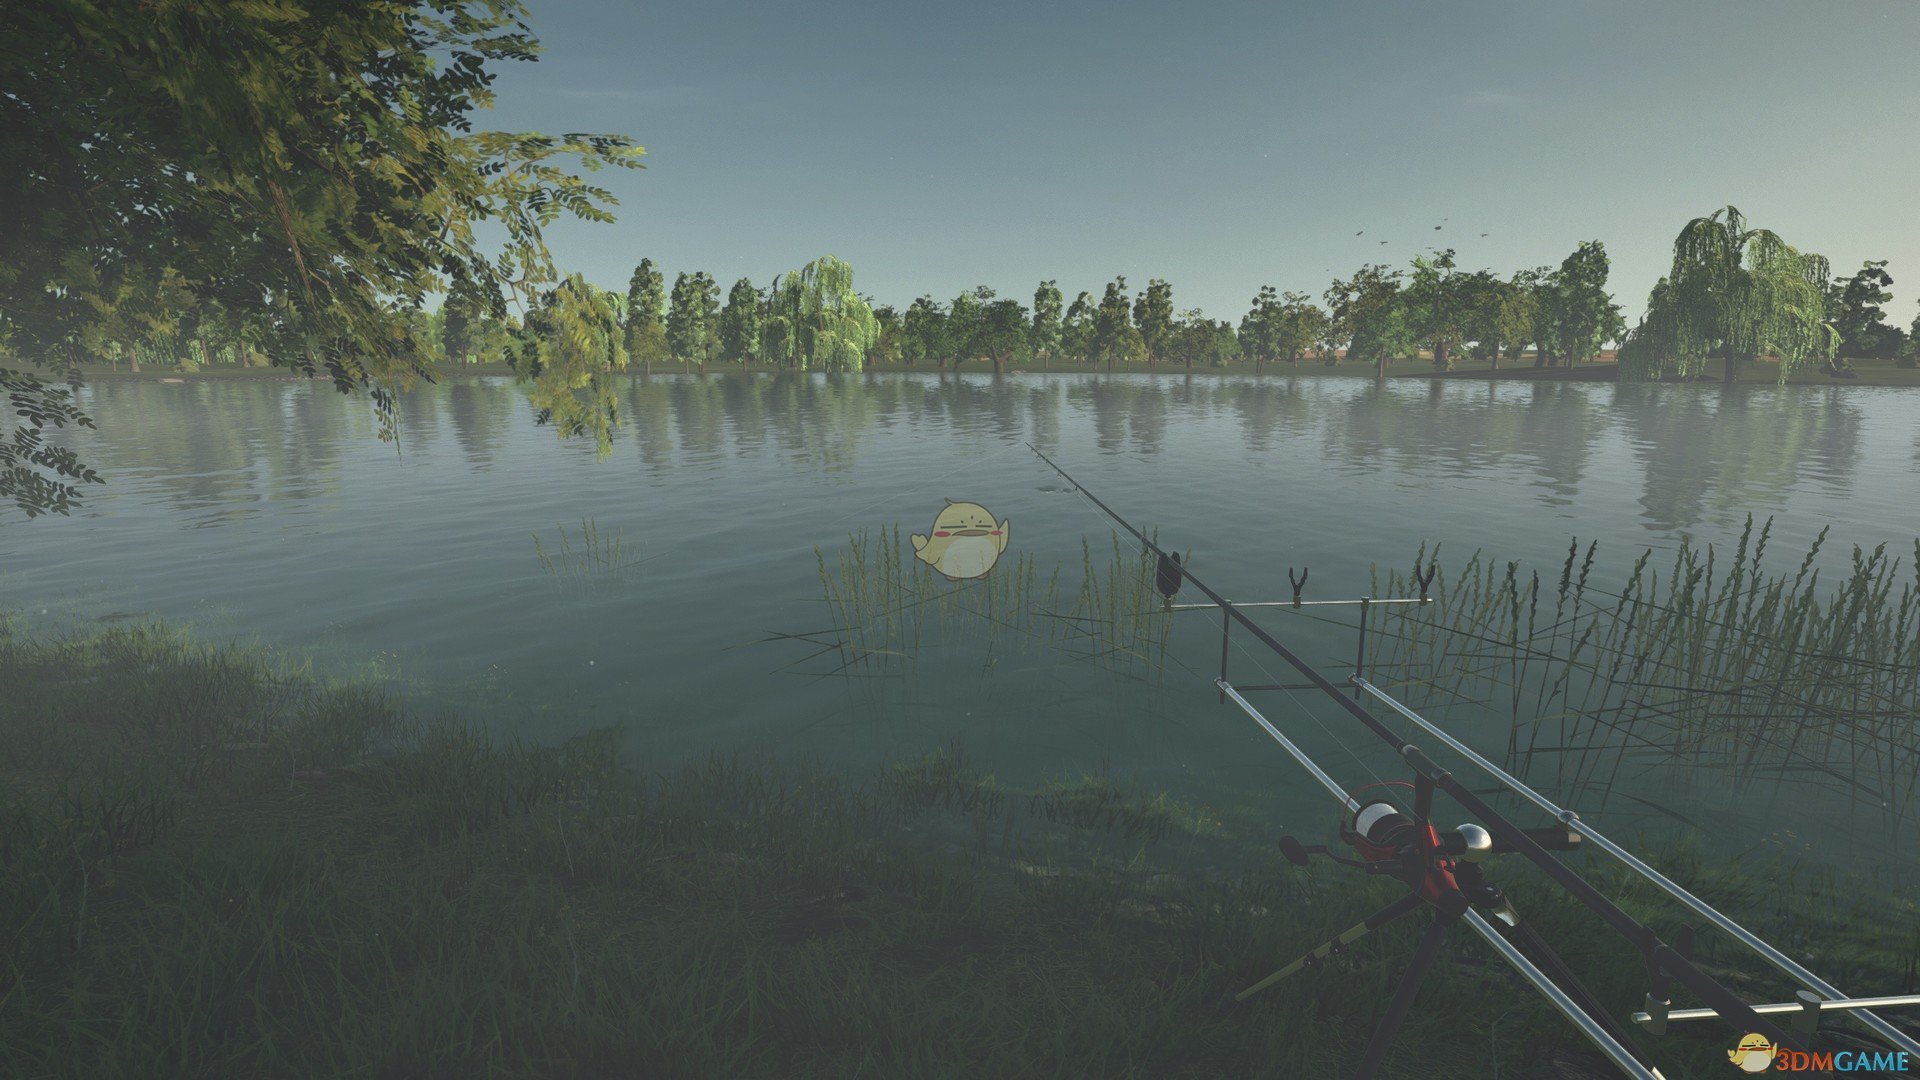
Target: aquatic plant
{"type": "Point", "coordinates": [886, 607]}
{"type": "Point", "coordinates": [596, 555]}
{"type": "Point", "coordinates": [1715, 662]}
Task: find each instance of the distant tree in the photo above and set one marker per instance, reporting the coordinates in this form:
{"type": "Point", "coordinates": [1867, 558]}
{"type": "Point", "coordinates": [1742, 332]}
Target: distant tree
{"type": "Point", "coordinates": [1853, 307]}
{"type": "Point", "coordinates": [1001, 332]}
{"type": "Point", "coordinates": [740, 323]}
{"type": "Point", "coordinates": [457, 316]}
{"type": "Point", "coordinates": [1260, 327]}
{"type": "Point", "coordinates": [1198, 340]}
{"type": "Point", "coordinates": [1297, 326]}
{"type": "Point", "coordinates": [1436, 305]}
{"type": "Point", "coordinates": [1736, 292]}
{"type": "Point", "coordinates": [693, 320]}
{"type": "Point", "coordinates": [1153, 317]}
{"type": "Point", "coordinates": [1114, 339]}
{"type": "Point", "coordinates": [1369, 315]}
{"type": "Point", "coordinates": [1480, 305]}
{"type": "Point", "coordinates": [963, 325]}
{"type": "Point", "coordinates": [1076, 328]}
{"type": "Point", "coordinates": [646, 325]}
{"type": "Point", "coordinates": [886, 344]}
{"type": "Point", "coordinates": [1043, 337]}
{"type": "Point", "coordinates": [1580, 313]}
{"type": "Point", "coordinates": [923, 331]}
{"type": "Point", "coordinates": [1909, 355]}
{"type": "Point", "coordinates": [816, 321]}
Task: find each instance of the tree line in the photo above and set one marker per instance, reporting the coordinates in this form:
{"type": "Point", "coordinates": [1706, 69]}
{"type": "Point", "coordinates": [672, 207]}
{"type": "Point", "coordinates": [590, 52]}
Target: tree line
{"type": "Point", "coordinates": [267, 184]}
{"type": "Point", "coordinates": [1740, 293]}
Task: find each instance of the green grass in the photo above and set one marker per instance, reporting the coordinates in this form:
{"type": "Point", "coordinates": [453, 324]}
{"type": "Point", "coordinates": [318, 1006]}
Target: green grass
{"type": "Point", "coordinates": [214, 865]}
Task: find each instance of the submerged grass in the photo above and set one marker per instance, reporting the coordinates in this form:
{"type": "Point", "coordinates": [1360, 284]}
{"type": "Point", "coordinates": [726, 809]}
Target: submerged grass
{"type": "Point", "coordinates": [1716, 663]}
{"type": "Point", "coordinates": [887, 608]}
{"type": "Point", "coordinates": [597, 555]}
{"type": "Point", "coordinates": [211, 865]}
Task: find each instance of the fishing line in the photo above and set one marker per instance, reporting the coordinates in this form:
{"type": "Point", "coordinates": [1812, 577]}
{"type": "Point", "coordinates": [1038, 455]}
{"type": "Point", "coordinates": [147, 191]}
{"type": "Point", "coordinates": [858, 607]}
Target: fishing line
{"type": "Point", "coordinates": [1252, 659]}
{"type": "Point", "coordinates": [968, 464]}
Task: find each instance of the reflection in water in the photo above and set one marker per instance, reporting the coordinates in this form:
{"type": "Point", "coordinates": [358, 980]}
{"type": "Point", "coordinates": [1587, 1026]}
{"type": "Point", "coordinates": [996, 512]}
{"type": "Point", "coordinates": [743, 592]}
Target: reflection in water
{"type": "Point", "coordinates": [1715, 456]}
{"type": "Point", "coordinates": [1702, 455]}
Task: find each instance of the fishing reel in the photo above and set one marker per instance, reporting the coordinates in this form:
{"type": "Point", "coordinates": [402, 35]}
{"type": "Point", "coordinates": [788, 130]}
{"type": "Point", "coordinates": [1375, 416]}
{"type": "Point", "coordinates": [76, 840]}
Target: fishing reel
{"type": "Point", "coordinates": [1390, 841]}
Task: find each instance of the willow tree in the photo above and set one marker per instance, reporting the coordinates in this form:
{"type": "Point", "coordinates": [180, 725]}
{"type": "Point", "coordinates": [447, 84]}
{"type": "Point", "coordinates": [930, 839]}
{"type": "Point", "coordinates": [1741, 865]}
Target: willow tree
{"type": "Point", "coordinates": [816, 321]}
{"type": "Point", "coordinates": [570, 349]}
{"type": "Point", "coordinates": [1736, 291]}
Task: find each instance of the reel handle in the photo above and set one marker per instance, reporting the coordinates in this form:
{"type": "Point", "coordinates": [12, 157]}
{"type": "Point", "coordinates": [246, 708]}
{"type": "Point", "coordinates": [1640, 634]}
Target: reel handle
{"type": "Point", "coordinates": [1470, 841]}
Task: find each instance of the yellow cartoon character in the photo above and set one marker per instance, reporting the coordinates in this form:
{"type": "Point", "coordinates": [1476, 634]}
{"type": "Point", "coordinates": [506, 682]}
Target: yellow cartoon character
{"type": "Point", "coordinates": [1753, 1054]}
{"type": "Point", "coordinates": [965, 541]}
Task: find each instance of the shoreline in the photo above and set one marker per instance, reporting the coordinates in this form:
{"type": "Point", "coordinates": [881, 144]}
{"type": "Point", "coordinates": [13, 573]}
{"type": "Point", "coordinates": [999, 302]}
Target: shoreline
{"type": "Point", "coordinates": [1867, 372]}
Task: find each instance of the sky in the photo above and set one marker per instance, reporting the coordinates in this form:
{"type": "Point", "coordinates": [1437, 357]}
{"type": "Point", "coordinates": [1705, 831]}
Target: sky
{"type": "Point", "coordinates": [1226, 146]}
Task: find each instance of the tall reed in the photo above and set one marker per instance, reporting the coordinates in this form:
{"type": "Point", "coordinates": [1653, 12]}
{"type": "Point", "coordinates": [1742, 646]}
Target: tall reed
{"type": "Point", "coordinates": [1713, 661]}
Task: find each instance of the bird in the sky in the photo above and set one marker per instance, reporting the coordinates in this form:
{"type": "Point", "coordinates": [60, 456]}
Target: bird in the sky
{"type": "Point", "coordinates": [1436, 228]}
{"type": "Point", "coordinates": [1483, 234]}
{"type": "Point", "coordinates": [1361, 231]}
{"type": "Point", "coordinates": [1383, 241]}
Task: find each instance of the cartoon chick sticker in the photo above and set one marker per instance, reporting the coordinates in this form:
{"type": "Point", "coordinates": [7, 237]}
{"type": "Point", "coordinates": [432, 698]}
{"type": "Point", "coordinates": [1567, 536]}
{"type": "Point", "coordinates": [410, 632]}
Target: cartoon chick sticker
{"type": "Point", "coordinates": [965, 541]}
{"type": "Point", "coordinates": [1753, 1054]}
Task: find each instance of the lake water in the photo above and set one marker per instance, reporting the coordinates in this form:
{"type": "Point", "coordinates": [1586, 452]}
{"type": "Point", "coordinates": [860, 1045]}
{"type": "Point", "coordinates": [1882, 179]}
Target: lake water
{"type": "Point", "coordinates": [268, 509]}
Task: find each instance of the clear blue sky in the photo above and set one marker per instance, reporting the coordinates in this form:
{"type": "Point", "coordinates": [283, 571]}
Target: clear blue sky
{"type": "Point", "coordinates": [1224, 146]}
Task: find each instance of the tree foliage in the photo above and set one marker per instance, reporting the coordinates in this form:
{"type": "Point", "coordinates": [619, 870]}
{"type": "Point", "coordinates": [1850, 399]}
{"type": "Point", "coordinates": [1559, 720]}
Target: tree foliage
{"type": "Point", "coordinates": [1734, 291]}
{"type": "Point", "coordinates": [308, 170]}
{"type": "Point", "coordinates": [1576, 313]}
{"type": "Point", "coordinates": [1853, 307]}
{"type": "Point", "coordinates": [740, 323]}
{"type": "Point", "coordinates": [693, 331]}
{"type": "Point", "coordinates": [1043, 337]}
{"type": "Point", "coordinates": [1368, 314]}
{"type": "Point", "coordinates": [1153, 317]}
{"type": "Point", "coordinates": [815, 321]}
{"type": "Point", "coordinates": [1434, 305]}
{"type": "Point", "coordinates": [923, 331]}
{"type": "Point", "coordinates": [570, 349]}
{"type": "Point", "coordinates": [1114, 339]}
{"type": "Point", "coordinates": [646, 318]}
{"type": "Point", "coordinates": [1076, 328]}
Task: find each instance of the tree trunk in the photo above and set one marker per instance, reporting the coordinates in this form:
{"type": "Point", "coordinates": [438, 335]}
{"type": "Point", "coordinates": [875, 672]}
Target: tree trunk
{"type": "Point", "coordinates": [1380, 365]}
{"type": "Point", "coordinates": [1440, 356]}
{"type": "Point", "coordinates": [1496, 356]}
{"type": "Point", "coordinates": [999, 365]}
{"type": "Point", "coordinates": [133, 359]}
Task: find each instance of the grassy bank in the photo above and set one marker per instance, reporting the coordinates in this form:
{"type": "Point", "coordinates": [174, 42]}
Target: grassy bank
{"type": "Point", "coordinates": [212, 864]}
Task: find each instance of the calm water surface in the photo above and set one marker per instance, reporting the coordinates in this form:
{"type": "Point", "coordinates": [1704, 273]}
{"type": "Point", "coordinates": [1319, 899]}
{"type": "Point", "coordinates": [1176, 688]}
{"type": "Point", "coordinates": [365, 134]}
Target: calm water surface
{"type": "Point", "coordinates": [269, 510]}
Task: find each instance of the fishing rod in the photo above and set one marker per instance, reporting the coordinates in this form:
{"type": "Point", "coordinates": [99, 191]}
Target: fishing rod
{"type": "Point", "coordinates": [1442, 872]}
